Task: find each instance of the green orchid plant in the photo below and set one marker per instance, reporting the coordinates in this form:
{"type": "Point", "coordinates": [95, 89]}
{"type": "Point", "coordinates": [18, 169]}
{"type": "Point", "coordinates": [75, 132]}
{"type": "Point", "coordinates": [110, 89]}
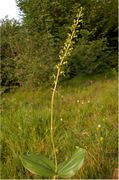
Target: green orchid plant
{"type": "Point", "coordinates": [39, 164]}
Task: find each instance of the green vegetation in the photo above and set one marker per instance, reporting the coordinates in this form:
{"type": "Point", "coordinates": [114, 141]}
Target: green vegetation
{"type": "Point", "coordinates": [85, 108]}
{"type": "Point", "coordinates": [30, 49]}
{"type": "Point", "coordinates": [86, 116]}
{"type": "Point", "coordinates": [39, 164]}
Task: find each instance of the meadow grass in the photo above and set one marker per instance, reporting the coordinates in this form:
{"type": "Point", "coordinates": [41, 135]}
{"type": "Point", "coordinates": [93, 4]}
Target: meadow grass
{"type": "Point", "coordinates": [86, 116]}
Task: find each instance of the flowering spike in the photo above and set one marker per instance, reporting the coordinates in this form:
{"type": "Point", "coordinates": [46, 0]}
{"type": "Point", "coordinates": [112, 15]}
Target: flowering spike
{"type": "Point", "coordinates": [64, 53]}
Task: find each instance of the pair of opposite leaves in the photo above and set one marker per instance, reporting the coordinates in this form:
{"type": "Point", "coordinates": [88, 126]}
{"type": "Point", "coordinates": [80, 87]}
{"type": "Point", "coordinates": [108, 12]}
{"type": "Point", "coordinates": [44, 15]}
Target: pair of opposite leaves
{"type": "Point", "coordinates": [41, 165]}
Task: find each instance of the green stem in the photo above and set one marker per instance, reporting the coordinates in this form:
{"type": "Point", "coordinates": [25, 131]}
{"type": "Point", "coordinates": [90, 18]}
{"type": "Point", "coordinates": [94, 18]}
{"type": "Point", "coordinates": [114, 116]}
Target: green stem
{"type": "Point", "coordinates": [52, 117]}
{"type": "Point", "coordinates": [67, 47]}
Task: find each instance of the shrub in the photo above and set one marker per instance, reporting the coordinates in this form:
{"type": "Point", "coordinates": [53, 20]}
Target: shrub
{"type": "Point", "coordinates": [8, 77]}
{"type": "Point", "coordinates": [89, 56]}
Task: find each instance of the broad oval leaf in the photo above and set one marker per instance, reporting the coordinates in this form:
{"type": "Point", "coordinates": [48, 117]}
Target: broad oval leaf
{"type": "Point", "coordinates": [70, 167]}
{"type": "Point", "coordinates": [38, 164]}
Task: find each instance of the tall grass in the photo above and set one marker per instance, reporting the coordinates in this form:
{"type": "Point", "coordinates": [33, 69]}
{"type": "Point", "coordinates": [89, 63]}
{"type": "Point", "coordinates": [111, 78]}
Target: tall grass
{"type": "Point", "coordinates": [86, 117]}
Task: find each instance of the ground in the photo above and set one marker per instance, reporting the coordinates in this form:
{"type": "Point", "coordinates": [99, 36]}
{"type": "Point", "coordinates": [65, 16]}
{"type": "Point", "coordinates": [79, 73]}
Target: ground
{"type": "Point", "coordinates": [85, 116]}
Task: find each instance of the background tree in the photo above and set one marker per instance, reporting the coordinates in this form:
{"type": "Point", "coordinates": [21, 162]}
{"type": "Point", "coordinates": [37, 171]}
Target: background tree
{"type": "Point", "coordinates": [30, 49]}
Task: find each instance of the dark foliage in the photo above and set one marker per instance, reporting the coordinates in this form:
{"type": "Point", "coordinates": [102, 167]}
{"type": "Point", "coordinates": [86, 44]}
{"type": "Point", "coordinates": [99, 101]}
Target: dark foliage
{"type": "Point", "coordinates": [29, 50]}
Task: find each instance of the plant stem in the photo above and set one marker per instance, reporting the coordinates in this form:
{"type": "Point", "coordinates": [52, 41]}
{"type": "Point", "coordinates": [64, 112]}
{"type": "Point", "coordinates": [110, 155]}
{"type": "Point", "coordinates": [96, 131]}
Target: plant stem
{"type": "Point", "coordinates": [63, 55]}
{"type": "Point", "coordinates": [52, 114]}
{"type": "Point", "coordinates": [52, 117]}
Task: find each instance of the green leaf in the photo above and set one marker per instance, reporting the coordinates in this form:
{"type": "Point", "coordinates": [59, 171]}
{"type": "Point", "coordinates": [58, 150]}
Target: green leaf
{"type": "Point", "coordinates": [71, 166]}
{"type": "Point", "coordinates": [38, 164]}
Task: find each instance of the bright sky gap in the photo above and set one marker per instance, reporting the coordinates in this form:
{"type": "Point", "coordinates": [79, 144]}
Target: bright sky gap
{"type": "Point", "coordinates": [9, 8]}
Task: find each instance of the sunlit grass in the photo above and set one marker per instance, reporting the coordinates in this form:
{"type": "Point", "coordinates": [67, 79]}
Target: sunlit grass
{"type": "Point", "coordinates": [86, 115]}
